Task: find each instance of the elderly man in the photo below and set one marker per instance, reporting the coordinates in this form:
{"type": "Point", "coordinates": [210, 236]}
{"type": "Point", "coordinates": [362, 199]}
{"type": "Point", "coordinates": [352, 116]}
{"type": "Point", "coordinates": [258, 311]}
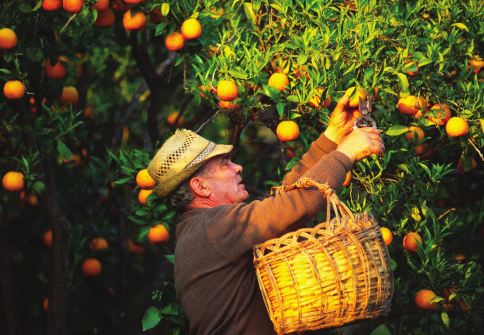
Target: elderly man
{"type": "Point", "coordinates": [214, 275]}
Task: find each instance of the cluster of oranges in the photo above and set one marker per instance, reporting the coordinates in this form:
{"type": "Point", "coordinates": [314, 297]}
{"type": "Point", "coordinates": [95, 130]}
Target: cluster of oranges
{"type": "Point", "coordinates": [13, 89]}
{"type": "Point", "coordinates": [190, 29]}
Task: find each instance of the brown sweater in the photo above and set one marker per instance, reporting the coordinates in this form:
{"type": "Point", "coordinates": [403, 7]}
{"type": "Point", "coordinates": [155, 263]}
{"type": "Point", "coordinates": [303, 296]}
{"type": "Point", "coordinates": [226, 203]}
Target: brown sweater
{"type": "Point", "coordinates": [214, 275]}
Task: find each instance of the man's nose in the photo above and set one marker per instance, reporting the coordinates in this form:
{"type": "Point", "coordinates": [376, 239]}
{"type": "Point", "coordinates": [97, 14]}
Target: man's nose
{"type": "Point", "coordinates": [238, 168]}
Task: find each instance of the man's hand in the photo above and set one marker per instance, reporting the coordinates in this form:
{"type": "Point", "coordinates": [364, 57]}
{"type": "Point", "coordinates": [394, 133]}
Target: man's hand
{"type": "Point", "coordinates": [341, 121]}
{"type": "Point", "coordinates": [362, 142]}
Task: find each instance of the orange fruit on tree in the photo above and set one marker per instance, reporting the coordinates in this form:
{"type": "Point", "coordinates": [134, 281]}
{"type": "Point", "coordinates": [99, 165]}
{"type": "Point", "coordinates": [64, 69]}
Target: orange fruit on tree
{"type": "Point", "coordinates": [387, 235]}
{"type": "Point", "coordinates": [134, 247]}
{"type": "Point", "coordinates": [347, 179]}
{"type": "Point", "coordinates": [355, 97]}
{"type": "Point", "coordinates": [120, 7]}
{"type": "Point", "coordinates": [52, 5]}
{"type": "Point", "coordinates": [144, 180]}
{"type": "Point", "coordinates": [477, 61]}
{"type": "Point", "coordinates": [410, 73]}
{"type": "Point", "coordinates": [424, 151]}
{"type": "Point", "coordinates": [315, 101]}
{"type": "Point", "coordinates": [134, 22]}
{"type": "Point", "coordinates": [191, 29]}
{"type": "Point", "coordinates": [446, 293]}
{"type": "Point", "coordinates": [287, 131]}
{"type": "Point", "coordinates": [278, 80]}
{"type": "Point", "coordinates": [98, 243]}
{"type": "Point", "coordinates": [142, 195]}
{"type": "Point", "coordinates": [410, 242]}
{"type": "Point", "coordinates": [57, 71]}
{"type": "Point", "coordinates": [175, 41]}
{"type": "Point", "coordinates": [472, 167]}
{"type": "Point", "coordinates": [88, 111]}
{"type": "Point", "coordinates": [156, 16]}
{"type": "Point", "coordinates": [69, 95]}
{"type": "Point", "coordinates": [158, 235]}
{"type": "Point", "coordinates": [73, 6]}
{"type": "Point", "coordinates": [172, 119]}
{"type": "Point", "coordinates": [13, 181]}
{"type": "Point", "coordinates": [227, 104]}
{"type": "Point", "coordinates": [14, 89]}
{"type": "Point", "coordinates": [443, 116]}
{"type": "Point", "coordinates": [91, 267]}
{"type": "Point", "coordinates": [423, 298]}
{"type": "Point", "coordinates": [227, 90]}
{"type": "Point", "coordinates": [456, 127]}
{"type": "Point", "coordinates": [105, 19]}
{"type": "Point", "coordinates": [8, 39]}
{"type": "Point", "coordinates": [410, 105]}
{"type": "Point", "coordinates": [410, 135]}
{"type": "Point", "coordinates": [101, 5]}
{"type": "Point", "coordinates": [47, 237]}
{"type": "Point", "coordinates": [45, 304]}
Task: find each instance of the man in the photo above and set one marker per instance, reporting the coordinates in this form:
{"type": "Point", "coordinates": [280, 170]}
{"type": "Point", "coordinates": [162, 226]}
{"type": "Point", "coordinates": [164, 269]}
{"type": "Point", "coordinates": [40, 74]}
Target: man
{"type": "Point", "coordinates": [214, 274]}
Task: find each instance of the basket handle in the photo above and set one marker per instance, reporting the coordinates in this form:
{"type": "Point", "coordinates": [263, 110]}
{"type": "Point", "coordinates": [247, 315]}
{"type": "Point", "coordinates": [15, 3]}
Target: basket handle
{"type": "Point", "coordinates": [331, 198]}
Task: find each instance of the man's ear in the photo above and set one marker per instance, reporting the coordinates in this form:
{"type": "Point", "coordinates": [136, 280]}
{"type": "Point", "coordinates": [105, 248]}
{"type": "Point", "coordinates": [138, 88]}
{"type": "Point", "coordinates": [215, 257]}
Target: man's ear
{"type": "Point", "coordinates": [199, 186]}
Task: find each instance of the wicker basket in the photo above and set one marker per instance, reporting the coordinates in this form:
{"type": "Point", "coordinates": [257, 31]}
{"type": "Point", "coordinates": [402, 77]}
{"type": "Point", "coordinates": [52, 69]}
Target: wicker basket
{"type": "Point", "coordinates": [326, 276]}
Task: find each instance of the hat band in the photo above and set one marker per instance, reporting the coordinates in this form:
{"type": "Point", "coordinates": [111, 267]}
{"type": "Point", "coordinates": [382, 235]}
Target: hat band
{"type": "Point", "coordinates": [201, 156]}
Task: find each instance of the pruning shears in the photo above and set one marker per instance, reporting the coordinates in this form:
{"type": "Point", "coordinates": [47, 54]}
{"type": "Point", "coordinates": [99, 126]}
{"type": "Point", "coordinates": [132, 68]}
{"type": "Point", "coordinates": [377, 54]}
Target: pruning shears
{"type": "Point", "coordinates": [364, 119]}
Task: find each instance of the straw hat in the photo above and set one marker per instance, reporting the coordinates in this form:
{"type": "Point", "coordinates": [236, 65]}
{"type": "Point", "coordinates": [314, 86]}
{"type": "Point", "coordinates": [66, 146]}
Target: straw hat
{"type": "Point", "coordinates": [179, 157]}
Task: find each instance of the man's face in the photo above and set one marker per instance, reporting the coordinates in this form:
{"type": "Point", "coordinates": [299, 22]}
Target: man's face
{"type": "Point", "coordinates": [223, 178]}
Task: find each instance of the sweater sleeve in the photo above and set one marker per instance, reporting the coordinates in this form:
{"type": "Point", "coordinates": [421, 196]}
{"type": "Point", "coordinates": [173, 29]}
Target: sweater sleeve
{"type": "Point", "coordinates": [235, 229]}
{"type": "Point", "coordinates": [322, 146]}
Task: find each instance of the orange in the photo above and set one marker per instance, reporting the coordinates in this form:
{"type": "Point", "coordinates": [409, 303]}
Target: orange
{"type": "Point", "coordinates": [69, 95]}
{"type": "Point", "coordinates": [156, 16]}
{"type": "Point", "coordinates": [411, 74]}
{"type": "Point", "coordinates": [158, 235]}
{"type": "Point", "coordinates": [423, 298]}
{"type": "Point", "coordinates": [227, 90]}
{"type": "Point", "coordinates": [279, 81]}
{"type": "Point", "coordinates": [101, 5]}
{"type": "Point", "coordinates": [73, 6]}
{"type": "Point", "coordinates": [228, 104]}
{"type": "Point", "coordinates": [142, 195]}
{"type": "Point", "coordinates": [191, 29]}
{"type": "Point", "coordinates": [457, 126]}
{"type": "Point", "coordinates": [48, 238]}
{"type": "Point", "coordinates": [144, 180]}
{"type": "Point", "coordinates": [410, 105]}
{"type": "Point", "coordinates": [424, 151]}
{"type": "Point", "coordinates": [347, 179]}
{"type": "Point", "coordinates": [287, 131]}
{"type": "Point", "coordinates": [316, 99]}
{"type": "Point", "coordinates": [299, 72]}
{"type": "Point", "coordinates": [58, 71]}
{"type": "Point", "coordinates": [8, 39]}
{"type": "Point", "coordinates": [13, 181]}
{"type": "Point", "coordinates": [105, 19]}
{"type": "Point", "coordinates": [30, 199]}
{"type": "Point", "coordinates": [410, 242]}
{"type": "Point", "coordinates": [478, 62]}
{"type": "Point", "coordinates": [355, 100]}
{"type": "Point", "coordinates": [461, 169]}
{"type": "Point", "coordinates": [45, 304]}
{"type": "Point", "coordinates": [172, 118]}
{"type": "Point", "coordinates": [120, 7]}
{"type": "Point", "coordinates": [387, 235]}
{"type": "Point", "coordinates": [98, 243]}
{"type": "Point", "coordinates": [134, 247]}
{"type": "Point", "coordinates": [411, 134]}
{"type": "Point", "coordinates": [88, 111]}
{"type": "Point", "coordinates": [52, 5]}
{"type": "Point", "coordinates": [91, 267]}
{"type": "Point", "coordinates": [175, 41]}
{"type": "Point", "coordinates": [446, 293]}
{"type": "Point", "coordinates": [440, 119]}
{"type": "Point", "coordinates": [134, 22]}
{"type": "Point", "coordinates": [14, 89]}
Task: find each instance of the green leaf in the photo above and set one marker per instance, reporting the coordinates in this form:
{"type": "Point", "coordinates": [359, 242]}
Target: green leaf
{"type": "Point", "coordinates": [460, 26]}
{"type": "Point", "coordinates": [396, 130]}
{"type": "Point", "coordinates": [426, 169]}
{"type": "Point", "coordinates": [160, 28]}
{"type": "Point", "coordinates": [238, 74]}
{"type": "Point", "coordinates": [302, 59]}
{"type": "Point", "coordinates": [179, 60]}
{"type": "Point", "coordinates": [271, 92]}
{"type": "Point", "coordinates": [403, 167]}
{"type": "Point", "coordinates": [151, 318]}
{"type": "Point", "coordinates": [249, 11]}
{"type": "Point", "coordinates": [280, 108]}
{"type": "Point", "coordinates": [63, 150]}
{"type": "Point", "coordinates": [138, 220]}
{"type": "Point", "coordinates": [481, 121]}
{"type": "Point", "coordinates": [445, 319]}
{"type": "Point", "coordinates": [123, 180]}
{"type": "Point", "coordinates": [38, 5]}
{"type": "Point", "coordinates": [393, 264]}
{"type": "Point", "coordinates": [292, 98]}
{"type": "Point", "coordinates": [170, 258]}
{"type": "Point", "coordinates": [39, 188]}
{"type": "Point", "coordinates": [403, 82]}
{"type": "Point", "coordinates": [165, 9]}
{"type": "Point", "coordinates": [25, 8]}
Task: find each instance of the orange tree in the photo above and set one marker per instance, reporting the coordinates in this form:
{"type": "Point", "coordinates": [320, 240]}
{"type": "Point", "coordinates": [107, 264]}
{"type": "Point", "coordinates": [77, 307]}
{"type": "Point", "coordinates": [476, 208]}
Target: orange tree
{"type": "Point", "coordinates": [83, 166]}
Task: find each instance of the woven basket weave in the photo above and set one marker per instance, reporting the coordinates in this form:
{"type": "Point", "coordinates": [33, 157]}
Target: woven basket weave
{"type": "Point", "coordinates": [326, 276]}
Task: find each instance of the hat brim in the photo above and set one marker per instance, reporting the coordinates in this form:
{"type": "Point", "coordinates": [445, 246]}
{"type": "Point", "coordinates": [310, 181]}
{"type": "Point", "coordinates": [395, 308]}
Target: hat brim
{"type": "Point", "coordinates": [164, 189]}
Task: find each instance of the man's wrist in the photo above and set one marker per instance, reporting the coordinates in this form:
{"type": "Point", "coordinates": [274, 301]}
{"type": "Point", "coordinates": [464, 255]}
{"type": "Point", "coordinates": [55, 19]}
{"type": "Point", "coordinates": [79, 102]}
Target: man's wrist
{"type": "Point", "coordinates": [333, 135]}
